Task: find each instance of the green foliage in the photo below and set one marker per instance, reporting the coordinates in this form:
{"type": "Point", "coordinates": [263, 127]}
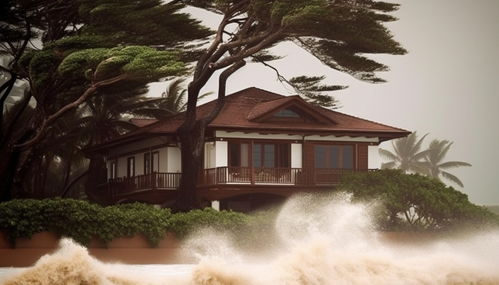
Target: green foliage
{"type": "Point", "coordinates": [415, 202]}
{"type": "Point", "coordinates": [81, 220]}
{"type": "Point", "coordinates": [135, 61]}
{"type": "Point", "coordinates": [185, 223]}
{"type": "Point", "coordinates": [314, 92]}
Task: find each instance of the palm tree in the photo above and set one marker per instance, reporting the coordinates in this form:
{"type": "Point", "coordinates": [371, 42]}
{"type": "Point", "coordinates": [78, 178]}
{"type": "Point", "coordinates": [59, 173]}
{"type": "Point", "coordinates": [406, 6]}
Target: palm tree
{"type": "Point", "coordinates": [434, 158]}
{"type": "Point", "coordinates": [407, 155]}
{"type": "Point", "coordinates": [171, 102]}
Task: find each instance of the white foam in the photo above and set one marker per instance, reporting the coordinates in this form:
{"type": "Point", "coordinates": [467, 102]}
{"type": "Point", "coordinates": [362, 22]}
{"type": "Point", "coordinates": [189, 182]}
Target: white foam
{"type": "Point", "coordinates": [318, 240]}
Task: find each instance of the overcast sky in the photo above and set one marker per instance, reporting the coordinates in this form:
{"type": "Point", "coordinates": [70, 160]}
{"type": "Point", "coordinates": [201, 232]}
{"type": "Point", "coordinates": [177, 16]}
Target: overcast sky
{"type": "Point", "coordinates": [447, 85]}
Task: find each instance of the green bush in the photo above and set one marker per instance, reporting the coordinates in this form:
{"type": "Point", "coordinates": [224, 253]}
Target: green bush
{"type": "Point", "coordinates": [81, 220]}
{"type": "Point", "coordinates": [415, 202]}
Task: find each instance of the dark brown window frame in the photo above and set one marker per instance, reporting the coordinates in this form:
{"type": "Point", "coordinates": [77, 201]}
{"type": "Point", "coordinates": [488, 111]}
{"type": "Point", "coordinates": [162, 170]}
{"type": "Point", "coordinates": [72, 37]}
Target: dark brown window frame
{"type": "Point", "coordinates": [147, 163]}
{"type": "Point", "coordinates": [251, 143]}
{"type": "Point", "coordinates": [130, 166]}
{"type": "Point", "coordinates": [341, 163]}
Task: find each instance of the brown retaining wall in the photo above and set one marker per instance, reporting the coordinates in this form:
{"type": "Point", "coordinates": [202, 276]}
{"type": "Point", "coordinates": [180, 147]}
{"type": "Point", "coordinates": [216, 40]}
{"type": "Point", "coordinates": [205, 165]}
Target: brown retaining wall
{"type": "Point", "coordinates": [136, 250]}
{"type": "Point", "coordinates": [133, 250]}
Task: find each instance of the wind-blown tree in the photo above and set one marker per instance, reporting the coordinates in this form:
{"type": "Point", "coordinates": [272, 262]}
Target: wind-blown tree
{"type": "Point", "coordinates": [99, 119]}
{"type": "Point", "coordinates": [336, 32]}
{"type": "Point", "coordinates": [84, 52]}
{"type": "Point", "coordinates": [407, 156]}
{"type": "Point", "coordinates": [171, 102]}
{"type": "Point", "coordinates": [434, 158]}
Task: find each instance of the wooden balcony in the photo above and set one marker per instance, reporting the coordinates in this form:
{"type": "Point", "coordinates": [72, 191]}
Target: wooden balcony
{"type": "Point", "coordinates": [273, 177]}
{"type": "Point", "coordinates": [153, 181]}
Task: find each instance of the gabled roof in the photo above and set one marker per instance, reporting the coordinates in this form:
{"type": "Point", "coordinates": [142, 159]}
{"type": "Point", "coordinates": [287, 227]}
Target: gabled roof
{"type": "Point", "coordinates": [265, 109]}
{"type": "Point", "coordinates": [242, 110]}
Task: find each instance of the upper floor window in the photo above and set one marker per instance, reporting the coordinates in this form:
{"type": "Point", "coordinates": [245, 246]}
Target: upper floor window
{"type": "Point", "coordinates": [151, 162]}
{"type": "Point", "coordinates": [155, 161]}
{"type": "Point", "coordinates": [260, 155]}
{"type": "Point", "coordinates": [334, 156]}
{"type": "Point", "coordinates": [130, 166]}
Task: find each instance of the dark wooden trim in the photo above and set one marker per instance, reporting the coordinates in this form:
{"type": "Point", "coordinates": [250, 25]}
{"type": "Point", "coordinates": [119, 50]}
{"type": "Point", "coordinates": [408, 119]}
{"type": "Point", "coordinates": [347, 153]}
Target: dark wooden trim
{"type": "Point", "coordinates": [382, 135]}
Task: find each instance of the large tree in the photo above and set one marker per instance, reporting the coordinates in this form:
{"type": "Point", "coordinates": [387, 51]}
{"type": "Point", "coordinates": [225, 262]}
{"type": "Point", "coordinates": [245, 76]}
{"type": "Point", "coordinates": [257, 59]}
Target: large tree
{"type": "Point", "coordinates": [87, 49]}
{"type": "Point", "coordinates": [338, 33]}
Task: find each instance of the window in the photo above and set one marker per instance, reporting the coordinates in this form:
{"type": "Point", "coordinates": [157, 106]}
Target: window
{"type": "Point", "coordinates": [334, 156]}
{"type": "Point", "coordinates": [286, 113]}
{"type": "Point", "coordinates": [114, 170]}
{"type": "Point", "coordinates": [131, 166]}
{"type": "Point", "coordinates": [147, 163]}
{"type": "Point", "coordinates": [155, 162]}
{"type": "Point", "coordinates": [239, 154]}
{"type": "Point", "coordinates": [270, 155]}
{"type": "Point", "coordinates": [263, 155]}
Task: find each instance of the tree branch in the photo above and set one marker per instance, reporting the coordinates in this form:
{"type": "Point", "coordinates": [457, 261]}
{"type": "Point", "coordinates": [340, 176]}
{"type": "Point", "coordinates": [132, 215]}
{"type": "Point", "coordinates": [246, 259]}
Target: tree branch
{"type": "Point", "coordinates": [49, 120]}
{"type": "Point", "coordinates": [247, 52]}
{"type": "Point", "coordinates": [222, 82]}
{"type": "Point", "coordinates": [76, 179]}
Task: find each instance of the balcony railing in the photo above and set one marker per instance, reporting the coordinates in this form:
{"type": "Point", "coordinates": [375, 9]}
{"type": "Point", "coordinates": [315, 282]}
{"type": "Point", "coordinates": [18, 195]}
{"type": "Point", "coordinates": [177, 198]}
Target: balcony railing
{"type": "Point", "coordinates": [162, 181]}
{"type": "Point", "coordinates": [229, 175]}
{"type": "Point", "coordinates": [285, 176]}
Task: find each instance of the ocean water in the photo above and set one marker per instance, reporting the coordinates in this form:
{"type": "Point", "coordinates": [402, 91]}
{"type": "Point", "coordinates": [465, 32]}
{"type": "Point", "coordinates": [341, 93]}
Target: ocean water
{"type": "Point", "coordinates": [314, 240]}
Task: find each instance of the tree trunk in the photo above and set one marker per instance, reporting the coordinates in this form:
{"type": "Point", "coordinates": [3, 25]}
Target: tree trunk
{"type": "Point", "coordinates": [8, 165]}
{"type": "Point", "coordinates": [192, 150]}
{"type": "Point", "coordinates": [191, 136]}
{"type": "Point", "coordinates": [98, 175]}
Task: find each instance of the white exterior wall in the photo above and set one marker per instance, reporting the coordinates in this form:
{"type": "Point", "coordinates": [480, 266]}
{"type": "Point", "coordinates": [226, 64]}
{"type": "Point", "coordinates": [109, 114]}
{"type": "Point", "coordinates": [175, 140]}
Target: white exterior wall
{"type": "Point", "coordinates": [342, 139]}
{"type": "Point", "coordinates": [373, 159]}
{"type": "Point", "coordinates": [296, 155]}
{"type": "Point", "coordinates": [174, 161]}
{"type": "Point", "coordinates": [131, 147]}
{"type": "Point", "coordinates": [225, 134]}
{"type": "Point", "coordinates": [221, 154]}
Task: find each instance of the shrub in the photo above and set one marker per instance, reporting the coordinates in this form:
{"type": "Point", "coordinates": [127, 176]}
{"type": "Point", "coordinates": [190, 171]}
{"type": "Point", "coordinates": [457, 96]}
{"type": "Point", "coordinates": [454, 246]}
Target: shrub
{"type": "Point", "coordinates": [416, 202]}
{"type": "Point", "coordinates": [81, 220]}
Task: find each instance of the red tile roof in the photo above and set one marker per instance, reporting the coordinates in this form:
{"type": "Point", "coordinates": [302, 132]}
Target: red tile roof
{"type": "Point", "coordinates": [265, 107]}
{"type": "Point", "coordinates": [243, 106]}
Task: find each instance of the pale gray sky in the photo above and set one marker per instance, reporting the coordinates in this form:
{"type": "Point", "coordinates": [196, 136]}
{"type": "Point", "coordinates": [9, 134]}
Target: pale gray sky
{"type": "Point", "coordinates": [447, 85]}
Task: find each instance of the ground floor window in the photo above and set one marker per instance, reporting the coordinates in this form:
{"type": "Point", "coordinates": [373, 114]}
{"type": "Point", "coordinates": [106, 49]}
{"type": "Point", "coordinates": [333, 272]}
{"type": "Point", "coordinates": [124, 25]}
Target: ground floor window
{"type": "Point", "coordinates": [334, 156]}
{"type": "Point", "coordinates": [113, 171]}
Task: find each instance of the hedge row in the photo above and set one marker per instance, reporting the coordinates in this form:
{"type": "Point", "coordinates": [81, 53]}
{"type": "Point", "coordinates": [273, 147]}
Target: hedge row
{"type": "Point", "coordinates": [81, 220]}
